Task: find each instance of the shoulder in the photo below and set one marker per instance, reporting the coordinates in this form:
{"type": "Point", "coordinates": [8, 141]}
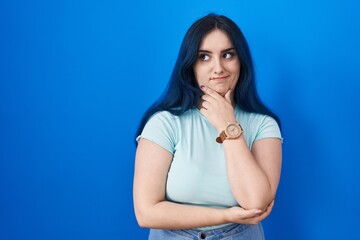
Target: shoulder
{"type": "Point", "coordinates": [162, 115]}
{"type": "Point", "coordinates": [160, 130]}
{"type": "Point", "coordinates": [168, 116]}
{"type": "Point", "coordinates": [160, 120]}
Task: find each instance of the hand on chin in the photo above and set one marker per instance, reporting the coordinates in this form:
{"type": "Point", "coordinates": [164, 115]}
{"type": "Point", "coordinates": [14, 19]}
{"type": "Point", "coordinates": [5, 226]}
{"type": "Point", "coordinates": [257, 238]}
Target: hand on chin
{"type": "Point", "coordinates": [220, 90]}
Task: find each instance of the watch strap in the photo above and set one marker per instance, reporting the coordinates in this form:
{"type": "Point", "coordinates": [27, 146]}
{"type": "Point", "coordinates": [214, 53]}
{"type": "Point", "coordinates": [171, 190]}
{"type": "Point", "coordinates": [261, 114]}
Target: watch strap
{"type": "Point", "coordinates": [222, 137]}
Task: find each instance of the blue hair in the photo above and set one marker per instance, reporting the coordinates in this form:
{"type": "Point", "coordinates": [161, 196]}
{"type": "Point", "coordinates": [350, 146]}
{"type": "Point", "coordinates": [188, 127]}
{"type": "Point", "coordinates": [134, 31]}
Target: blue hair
{"type": "Point", "coordinates": [183, 93]}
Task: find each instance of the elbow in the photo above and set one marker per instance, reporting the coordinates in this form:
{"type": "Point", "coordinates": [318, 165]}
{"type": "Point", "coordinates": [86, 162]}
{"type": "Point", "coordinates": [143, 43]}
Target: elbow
{"type": "Point", "coordinates": [143, 224]}
{"type": "Point", "coordinates": [260, 203]}
{"type": "Point", "coordinates": [143, 219]}
{"type": "Point", "coordinates": [254, 205]}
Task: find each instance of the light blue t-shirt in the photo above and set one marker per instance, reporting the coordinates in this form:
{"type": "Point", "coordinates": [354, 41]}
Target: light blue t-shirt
{"type": "Point", "coordinates": [197, 175]}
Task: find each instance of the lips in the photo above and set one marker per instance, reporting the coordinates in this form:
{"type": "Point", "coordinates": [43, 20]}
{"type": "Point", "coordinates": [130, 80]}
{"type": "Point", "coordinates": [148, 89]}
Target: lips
{"type": "Point", "coordinates": [219, 78]}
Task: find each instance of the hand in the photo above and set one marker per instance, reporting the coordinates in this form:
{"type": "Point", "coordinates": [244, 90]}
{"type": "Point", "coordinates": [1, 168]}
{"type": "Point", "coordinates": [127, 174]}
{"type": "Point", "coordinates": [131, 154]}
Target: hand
{"type": "Point", "coordinates": [251, 216]}
{"type": "Point", "coordinates": [217, 109]}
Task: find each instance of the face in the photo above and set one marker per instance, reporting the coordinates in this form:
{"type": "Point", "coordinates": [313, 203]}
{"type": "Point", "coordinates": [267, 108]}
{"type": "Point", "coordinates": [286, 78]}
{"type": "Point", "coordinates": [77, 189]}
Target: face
{"type": "Point", "coordinates": [217, 65]}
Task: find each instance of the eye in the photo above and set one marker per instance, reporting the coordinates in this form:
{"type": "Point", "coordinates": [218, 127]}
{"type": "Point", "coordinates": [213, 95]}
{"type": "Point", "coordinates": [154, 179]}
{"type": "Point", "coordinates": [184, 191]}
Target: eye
{"type": "Point", "coordinates": [204, 57]}
{"type": "Point", "coordinates": [228, 55]}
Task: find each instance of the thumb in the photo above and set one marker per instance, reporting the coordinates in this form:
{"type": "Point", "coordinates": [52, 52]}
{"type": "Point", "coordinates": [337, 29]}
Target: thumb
{"type": "Point", "coordinates": [228, 95]}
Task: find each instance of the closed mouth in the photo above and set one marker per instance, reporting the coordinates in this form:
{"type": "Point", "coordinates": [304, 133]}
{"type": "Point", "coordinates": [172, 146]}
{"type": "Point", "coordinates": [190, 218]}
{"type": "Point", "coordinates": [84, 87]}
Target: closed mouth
{"type": "Point", "coordinates": [219, 78]}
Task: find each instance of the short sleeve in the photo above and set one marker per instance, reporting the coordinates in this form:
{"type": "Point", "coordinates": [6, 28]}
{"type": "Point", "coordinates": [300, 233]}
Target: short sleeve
{"type": "Point", "coordinates": [160, 130]}
{"type": "Point", "coordinates": [268, 129]}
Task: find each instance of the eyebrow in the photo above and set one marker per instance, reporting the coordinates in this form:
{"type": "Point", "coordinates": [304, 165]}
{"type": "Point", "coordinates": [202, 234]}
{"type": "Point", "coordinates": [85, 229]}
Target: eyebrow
{"type": "Point", "coordinates": [207, 51]}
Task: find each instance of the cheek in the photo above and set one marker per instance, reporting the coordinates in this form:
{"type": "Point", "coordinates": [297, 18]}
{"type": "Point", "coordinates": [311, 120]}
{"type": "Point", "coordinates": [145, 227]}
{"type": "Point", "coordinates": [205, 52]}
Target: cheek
{"type": "Point", "coordinates": [200, 74]}
{"type": "Point", "coordinates": [235, 67]}
{"type": "Point", "coordinates": [236, 71]}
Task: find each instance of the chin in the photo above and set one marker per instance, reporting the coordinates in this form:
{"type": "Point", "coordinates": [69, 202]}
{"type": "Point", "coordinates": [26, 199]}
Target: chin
{"type": "Point", "coordinates": [221, 91]}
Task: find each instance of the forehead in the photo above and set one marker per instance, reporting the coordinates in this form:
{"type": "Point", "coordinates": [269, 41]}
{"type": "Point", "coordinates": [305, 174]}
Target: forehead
{"type": "Point", "coordinates": [216, 40]}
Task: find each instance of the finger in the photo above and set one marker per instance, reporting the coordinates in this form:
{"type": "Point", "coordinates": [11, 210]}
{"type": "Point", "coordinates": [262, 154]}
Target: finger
{"type": "Point", "coordinates": [267, 212]}
{"type": "Point", "coordinates": [208, 98]}
{"type": "Point", "coordinates": [252, 213]}
{"type": "Point", "coordinates": [228, 96]}
{"type": "Point", "coordinates": [257, 218]}
{"type": "Point", "coordinates": [204, 112]}
{"type": "Point", "coordinates": [210, 91]}
{"type": "Point", "coordinates": [205, 104]}
{"type": "Point", "coordinates": [263, 216]}
{"type": "Point", "coordinates": [270, 207]}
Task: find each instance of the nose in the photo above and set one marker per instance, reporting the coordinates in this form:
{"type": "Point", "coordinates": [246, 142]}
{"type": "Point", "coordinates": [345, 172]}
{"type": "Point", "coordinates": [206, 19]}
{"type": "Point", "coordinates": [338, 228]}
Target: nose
{"type": "Point", "coordinates": [218, 66]}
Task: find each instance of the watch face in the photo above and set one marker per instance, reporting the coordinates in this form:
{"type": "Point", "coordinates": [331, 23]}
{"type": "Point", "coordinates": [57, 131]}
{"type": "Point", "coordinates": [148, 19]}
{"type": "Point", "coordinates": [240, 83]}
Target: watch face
{"type": "Point", "coordinates": [233, 130]}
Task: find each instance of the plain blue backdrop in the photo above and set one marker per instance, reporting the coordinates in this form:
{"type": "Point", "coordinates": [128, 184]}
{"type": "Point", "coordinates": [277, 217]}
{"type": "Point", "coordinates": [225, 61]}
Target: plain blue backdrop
{"type": "Point", "coordinates": [76, 76]}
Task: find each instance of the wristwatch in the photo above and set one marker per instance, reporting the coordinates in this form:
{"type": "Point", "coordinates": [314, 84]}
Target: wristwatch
{"type": "Point", "coordinates": [232, 131]}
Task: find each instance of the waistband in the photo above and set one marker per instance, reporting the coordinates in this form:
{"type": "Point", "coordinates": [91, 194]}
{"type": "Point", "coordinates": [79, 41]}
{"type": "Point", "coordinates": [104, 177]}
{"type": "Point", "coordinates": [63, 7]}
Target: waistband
{"type": "Point", "coordinates": [220, 232]}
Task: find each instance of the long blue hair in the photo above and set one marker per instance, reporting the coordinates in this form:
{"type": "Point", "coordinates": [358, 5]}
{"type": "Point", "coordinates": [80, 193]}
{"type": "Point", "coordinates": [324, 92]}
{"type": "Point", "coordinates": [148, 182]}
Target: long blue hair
{"type": "Point", "coordinates": [183, 93]}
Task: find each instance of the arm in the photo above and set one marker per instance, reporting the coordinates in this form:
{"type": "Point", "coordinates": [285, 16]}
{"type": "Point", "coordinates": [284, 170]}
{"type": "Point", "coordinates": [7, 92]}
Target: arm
{"type": "Point", "coordinates": [253, 175]}
{"type": "Point", "coordinates": [153, 211]}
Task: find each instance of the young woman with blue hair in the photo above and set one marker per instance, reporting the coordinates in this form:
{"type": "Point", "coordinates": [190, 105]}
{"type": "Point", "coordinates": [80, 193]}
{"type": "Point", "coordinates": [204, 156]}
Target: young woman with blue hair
{"type": "Point", "coordinates": [209, 152]}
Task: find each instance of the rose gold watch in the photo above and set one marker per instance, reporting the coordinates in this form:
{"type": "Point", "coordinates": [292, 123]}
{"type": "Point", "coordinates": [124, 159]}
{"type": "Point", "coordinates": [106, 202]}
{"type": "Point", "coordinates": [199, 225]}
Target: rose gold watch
{"type": "Point", "coordinates": [232, 131]}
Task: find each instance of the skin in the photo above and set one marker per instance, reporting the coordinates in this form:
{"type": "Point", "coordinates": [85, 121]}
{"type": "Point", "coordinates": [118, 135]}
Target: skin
{"type": "Point", "coordinates": [217, 66]}
{"type": "Point", "coordinates": [253, 174]}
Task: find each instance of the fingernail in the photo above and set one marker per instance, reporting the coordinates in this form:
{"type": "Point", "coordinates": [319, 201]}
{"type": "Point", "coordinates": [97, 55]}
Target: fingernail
{"type": "Point", "coordinates": [202, 86]}
{"type": "Point", "coordinates": [258, 211]}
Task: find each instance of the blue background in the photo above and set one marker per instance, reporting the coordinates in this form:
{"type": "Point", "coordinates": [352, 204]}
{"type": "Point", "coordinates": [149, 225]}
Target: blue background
{"type": "Point", "coordinates": [76, 76]}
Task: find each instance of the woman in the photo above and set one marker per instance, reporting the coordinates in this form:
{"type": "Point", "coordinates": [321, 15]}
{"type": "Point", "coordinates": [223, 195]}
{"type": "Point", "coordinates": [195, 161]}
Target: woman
{"type": "Point", "coordinates": [208, 158]}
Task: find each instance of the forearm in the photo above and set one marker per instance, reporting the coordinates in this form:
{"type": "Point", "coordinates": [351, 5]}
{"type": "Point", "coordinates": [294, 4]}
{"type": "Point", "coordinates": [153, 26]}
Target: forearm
{"type": "Point", "coordinates": [169, 215]}
{"type": "Point", "coordinates": [253, 175]}
{"type": "Point", "coordinates": [249, 183]}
